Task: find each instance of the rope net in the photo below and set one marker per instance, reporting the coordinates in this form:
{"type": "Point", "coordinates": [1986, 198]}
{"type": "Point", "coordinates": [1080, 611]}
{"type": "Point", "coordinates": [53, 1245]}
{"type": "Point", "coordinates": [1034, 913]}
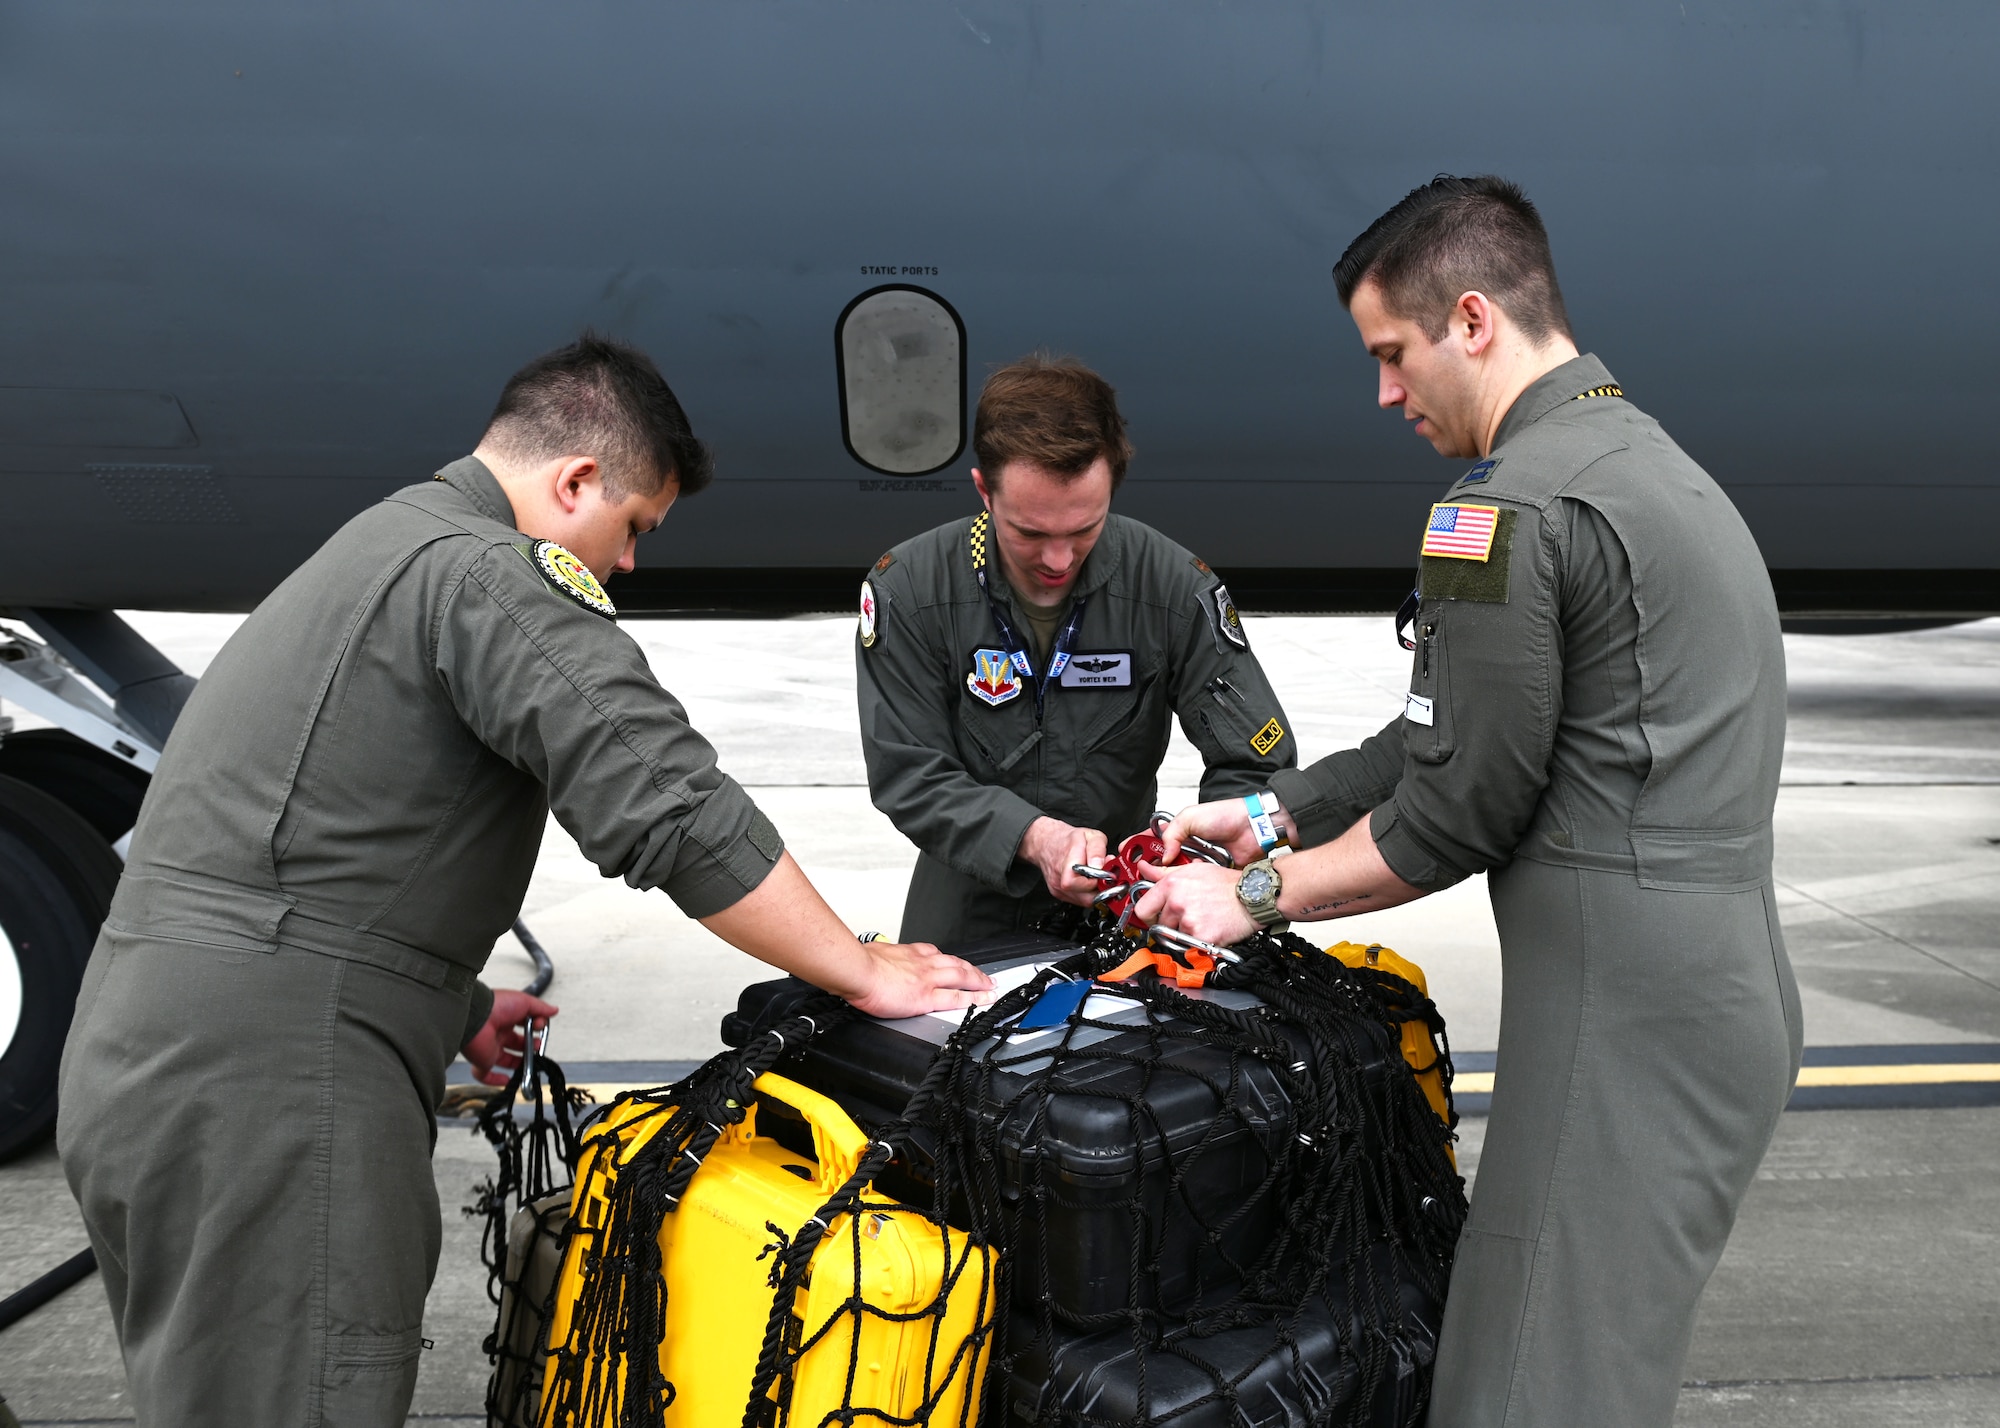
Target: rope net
{"type": "Point", "coordinates": [525, 1205]}
{"type": "Point", "coordinates": [1104, 1205]}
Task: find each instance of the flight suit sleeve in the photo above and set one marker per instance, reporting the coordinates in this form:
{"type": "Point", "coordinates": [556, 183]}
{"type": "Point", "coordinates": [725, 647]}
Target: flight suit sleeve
{"type": "Point", "coordinates": [1227, 707]}
{"type": "Point", "coordinates": [907, 687]}
{"type": "Point", "coordinates": [564, 695]}
{"type": "Point", "coordinates": [1331, 795]}
{"type": "Point", "coordinates": [477, 1009]}
{"type": "Point", "coordinates": [1488, 674]}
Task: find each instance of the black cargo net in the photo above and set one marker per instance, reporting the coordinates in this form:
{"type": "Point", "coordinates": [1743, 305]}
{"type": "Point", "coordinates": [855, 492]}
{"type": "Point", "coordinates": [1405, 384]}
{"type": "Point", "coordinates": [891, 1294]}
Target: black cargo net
{"type": "Point", "coordinates": [1161, 1208]}
{"type": "Point", "coordinates": [525, 1204]}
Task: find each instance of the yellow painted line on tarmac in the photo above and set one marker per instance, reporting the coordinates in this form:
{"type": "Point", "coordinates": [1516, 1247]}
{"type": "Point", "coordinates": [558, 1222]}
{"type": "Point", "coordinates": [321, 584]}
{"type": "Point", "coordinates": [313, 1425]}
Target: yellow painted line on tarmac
{"type": "Point", "coordinates": [1919, 1074]}
{"type": "Point", "coordinates": [1933, 1073]}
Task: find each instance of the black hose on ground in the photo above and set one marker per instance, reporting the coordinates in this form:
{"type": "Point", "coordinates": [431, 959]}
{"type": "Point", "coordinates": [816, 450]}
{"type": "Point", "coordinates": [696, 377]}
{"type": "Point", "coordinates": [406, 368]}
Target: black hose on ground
{"type": "Point", "coordinates": [23, 1302]}
{"type": "Point", "coordinates": [545, 970]}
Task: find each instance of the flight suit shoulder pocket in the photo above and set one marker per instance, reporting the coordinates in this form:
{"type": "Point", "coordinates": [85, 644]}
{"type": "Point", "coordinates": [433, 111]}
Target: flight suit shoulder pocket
{"type": "Point", "coordinates": [1428, 727]}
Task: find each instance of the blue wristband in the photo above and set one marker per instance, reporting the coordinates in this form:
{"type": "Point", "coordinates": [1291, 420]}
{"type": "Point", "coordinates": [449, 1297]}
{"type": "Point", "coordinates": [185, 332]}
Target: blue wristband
{"type": "Point", "coordinates": [1262, 827]}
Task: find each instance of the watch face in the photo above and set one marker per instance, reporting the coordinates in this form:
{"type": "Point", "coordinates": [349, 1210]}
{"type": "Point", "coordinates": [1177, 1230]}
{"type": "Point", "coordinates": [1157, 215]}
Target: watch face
{"type": "Point", "coordinates": [1256, 885]}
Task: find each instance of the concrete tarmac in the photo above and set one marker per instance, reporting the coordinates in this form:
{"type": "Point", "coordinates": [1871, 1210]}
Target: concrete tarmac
{"type": "Point", "coordinates": [1862, 1282]}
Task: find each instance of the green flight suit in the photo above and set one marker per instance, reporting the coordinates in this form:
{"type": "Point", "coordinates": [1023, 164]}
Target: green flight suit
{"type": "Point", "coordinates": [344, 821]}
{"type": "Point", "coordinates": [962, 764]}
{"type": "Point", "coordinates": [1596, 718]}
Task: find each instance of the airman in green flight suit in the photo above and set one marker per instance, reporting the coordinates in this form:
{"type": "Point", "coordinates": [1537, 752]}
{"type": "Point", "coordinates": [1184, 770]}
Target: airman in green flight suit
{"type": "Point", "coordinates": [1018, 671]}
{"type": "Point", "coordinates": [1595, 719]}
{"type": "Point", "coordinates": [343, 822]}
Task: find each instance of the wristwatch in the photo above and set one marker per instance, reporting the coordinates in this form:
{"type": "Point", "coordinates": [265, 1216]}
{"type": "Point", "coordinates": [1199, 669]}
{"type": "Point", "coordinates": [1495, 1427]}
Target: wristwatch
{"type": "Point", "coordinates": [1258, 891]}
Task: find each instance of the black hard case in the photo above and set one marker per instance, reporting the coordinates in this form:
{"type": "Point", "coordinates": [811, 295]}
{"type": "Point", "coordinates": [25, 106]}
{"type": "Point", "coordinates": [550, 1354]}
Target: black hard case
{"type": "Point", "coordinates": [1114, 1137]}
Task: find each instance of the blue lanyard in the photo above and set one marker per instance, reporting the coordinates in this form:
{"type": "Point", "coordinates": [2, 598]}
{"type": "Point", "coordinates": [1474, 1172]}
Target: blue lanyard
{"type": "Point", "coordinates": [1011, 643]}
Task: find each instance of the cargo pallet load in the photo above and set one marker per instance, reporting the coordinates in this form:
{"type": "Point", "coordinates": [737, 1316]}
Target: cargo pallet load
{"type": "Point", "coordinates": [1135, 1202]}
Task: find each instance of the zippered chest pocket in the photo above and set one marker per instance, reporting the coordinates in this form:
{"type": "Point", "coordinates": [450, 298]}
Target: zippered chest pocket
{"type": "Point", "coordinates": [1427, 721]}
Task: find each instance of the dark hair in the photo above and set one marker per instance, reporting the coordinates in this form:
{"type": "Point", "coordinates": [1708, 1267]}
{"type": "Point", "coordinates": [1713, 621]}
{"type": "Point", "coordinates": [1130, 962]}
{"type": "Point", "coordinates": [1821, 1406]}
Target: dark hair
{"type": "Point", "coordinates": [1051, 412]}
{"type": "Point", "coordinates": [1453, 236]}
{"type": "Point", "coordinates": [604, 399]}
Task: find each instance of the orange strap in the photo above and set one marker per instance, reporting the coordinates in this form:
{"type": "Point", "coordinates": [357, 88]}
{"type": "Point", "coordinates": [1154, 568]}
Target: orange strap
{"type": "Point", "coordinates": [1185, 975]}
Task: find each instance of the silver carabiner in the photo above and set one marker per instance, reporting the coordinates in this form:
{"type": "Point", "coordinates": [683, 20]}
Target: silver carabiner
{"type": "Point", "coordinates": [1180, 942]}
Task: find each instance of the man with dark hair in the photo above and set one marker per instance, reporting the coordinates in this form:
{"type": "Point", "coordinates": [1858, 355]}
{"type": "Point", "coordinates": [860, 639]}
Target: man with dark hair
{"type": "Point", "coordinates": [344, 821]}
{"type": "Point", "coordinates": [1595, 718]}
{"type": "Point", "coordinates": [1017, 669]}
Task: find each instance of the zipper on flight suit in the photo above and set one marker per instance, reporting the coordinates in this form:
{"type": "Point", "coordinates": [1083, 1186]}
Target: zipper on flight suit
{"type": "Point", "coordinates": [1424, 658]}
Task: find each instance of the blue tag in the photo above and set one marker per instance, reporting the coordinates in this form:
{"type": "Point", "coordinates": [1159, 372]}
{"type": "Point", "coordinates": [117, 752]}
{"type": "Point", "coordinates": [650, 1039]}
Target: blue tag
{"type": "Point", "coordinates": [1055, 1006]}
{"type": "Point", "coordinates": [1480, 472]}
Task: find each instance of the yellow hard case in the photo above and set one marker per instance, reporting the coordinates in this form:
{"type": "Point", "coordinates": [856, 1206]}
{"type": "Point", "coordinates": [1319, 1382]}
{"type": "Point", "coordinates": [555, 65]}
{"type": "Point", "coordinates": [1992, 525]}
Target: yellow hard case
{"type": "Point", "coordinates": [719, 1295]}
{"type": "Point", "coordinates": [1418, 1048]}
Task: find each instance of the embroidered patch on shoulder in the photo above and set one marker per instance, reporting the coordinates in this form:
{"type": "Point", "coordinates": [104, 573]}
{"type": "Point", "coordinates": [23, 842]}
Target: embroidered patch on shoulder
{"type": "Point", "coordinates": [1267, 738]}
{"type": "Point", "coordinates": [571, 576]}
{"type": "Point", "coordinates": [1199, 564]}
{"type": "Point", "coordinates": [1227, 621]}
{"type": "Point", "coordinates": [869, 612]}
{"type": "Point", "coordinates": [994, 679]}
{"type": "Point", "coordinates": [888, 559]}
{"type": "Point", "coordinates": [1456, 578]}
{"type": "Point", "coordinates": [1481, 473]}
{"type": "Point", "coordinates": [1460, 532]}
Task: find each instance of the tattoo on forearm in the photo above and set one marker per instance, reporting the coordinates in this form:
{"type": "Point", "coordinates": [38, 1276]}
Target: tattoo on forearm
{"type": "Point", "coordinates": [1338, 902]}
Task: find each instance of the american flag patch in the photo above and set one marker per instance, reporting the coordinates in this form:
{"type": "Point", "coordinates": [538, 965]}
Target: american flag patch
{"type": "Point", "coordinates": [1462, 531]}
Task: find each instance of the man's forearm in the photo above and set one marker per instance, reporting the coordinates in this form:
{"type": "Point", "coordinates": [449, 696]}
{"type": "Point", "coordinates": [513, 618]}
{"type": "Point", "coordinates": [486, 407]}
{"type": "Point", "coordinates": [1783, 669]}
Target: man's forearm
{"type": "Point", "coordinates": [785, 922]}
{"type": "Point", "coordinates": [1341, 879]}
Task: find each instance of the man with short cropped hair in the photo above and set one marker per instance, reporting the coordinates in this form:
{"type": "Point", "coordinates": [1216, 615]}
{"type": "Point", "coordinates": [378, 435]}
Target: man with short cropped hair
{"type": "Point", "coordinates": [1017, 670]}
{"type": "Point", "coordinates": [1595, 718]}
{"type": "Point", "coordinates": [344, 821]}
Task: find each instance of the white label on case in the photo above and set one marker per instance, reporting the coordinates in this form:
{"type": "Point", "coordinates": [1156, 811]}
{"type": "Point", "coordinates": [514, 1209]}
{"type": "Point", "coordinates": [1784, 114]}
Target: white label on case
{"type": "Point", "coordinates": [1418, 710]}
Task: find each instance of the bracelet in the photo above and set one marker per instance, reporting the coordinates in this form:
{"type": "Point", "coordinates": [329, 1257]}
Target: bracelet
{"type": "Point", "coordinates": [1262, 826]}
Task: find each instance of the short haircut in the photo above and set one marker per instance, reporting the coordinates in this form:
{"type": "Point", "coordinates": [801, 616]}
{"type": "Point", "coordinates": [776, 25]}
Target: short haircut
{"type": "Point", "coordinates": [1451, 237]}
{"type": "Point", "coordinates": [1051, 412]}
{"type": "Point", "coordinates": [606, 400]}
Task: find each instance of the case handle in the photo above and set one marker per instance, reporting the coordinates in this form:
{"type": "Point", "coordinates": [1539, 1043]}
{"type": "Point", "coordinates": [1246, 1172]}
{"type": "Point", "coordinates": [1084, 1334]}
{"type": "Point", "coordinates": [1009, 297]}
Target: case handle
{"type": "Point", "coordinates": [838, 1142]}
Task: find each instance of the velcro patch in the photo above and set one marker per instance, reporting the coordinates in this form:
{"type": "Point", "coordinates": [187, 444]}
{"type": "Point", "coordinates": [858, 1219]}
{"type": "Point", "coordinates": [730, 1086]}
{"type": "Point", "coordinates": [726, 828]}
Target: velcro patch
{"type": "Point", "coordinates": [1227, 622]}
{"type": "Point", "coordinates": [1455, 578]}
{"type": "Point", "coordinates": [570, 576]}
{"type": "Point", "coordinates": [1098, 669]}
{"type": "Point", "coordinates": [1267, 738]}
{"type": "Point", "coordinates": [1460, 531]}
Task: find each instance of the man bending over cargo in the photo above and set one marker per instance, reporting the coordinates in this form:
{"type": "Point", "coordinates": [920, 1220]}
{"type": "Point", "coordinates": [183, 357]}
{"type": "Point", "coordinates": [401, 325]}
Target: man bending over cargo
{"type": "Point", "coordinates": [344, 821]}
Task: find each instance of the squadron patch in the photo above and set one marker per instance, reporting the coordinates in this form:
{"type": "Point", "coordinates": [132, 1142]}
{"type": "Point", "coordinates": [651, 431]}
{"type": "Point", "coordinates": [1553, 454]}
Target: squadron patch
{"type": "Point", "coordinates": [1227, 621]}
{"type": "Point", "coordinates": [1267, 738]}
{"type": "Point", "coordinates": [868, 613]}
{"type": "Point", "coordinates": [571, 576]}
{"type": "Point", "coordinates": [993, 680]}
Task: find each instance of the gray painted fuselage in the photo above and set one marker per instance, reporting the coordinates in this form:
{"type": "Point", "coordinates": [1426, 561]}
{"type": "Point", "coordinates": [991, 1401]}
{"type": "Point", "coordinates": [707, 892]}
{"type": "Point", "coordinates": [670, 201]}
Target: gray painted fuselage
{"type": "Point", "coordinates": [263, 263]}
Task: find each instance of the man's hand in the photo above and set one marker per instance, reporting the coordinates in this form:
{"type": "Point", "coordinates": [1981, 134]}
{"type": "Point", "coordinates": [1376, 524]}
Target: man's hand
{"type": "Point", "coordinates": [911, 978]}
{"type": "Point", "coordinates": [496, 1050]}
{"type": "Point", "coordinates": [785, 922]}
{"type": "Point", "coordinates": [1054, 848]}
{"type": "Point", "coordinates": [1198, 899]}
{"type": "Point", "coordinates": [1225, 822]}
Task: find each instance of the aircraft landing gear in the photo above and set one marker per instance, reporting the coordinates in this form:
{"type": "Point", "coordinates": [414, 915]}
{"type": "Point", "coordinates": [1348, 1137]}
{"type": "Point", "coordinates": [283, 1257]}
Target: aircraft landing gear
{"type": "Point", "coordinates": [57, 875]}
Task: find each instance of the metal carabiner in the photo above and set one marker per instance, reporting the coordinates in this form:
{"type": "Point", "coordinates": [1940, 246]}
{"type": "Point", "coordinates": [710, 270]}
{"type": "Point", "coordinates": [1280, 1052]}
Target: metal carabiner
{"type": "Point", "coordinates": [1137, 891]}
{"type": "Point", "coordinates": [1180, 942]}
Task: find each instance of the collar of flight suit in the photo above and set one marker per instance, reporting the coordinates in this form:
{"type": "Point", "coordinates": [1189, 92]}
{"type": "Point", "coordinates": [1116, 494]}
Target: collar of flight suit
{"type": "Point", "coordinates": [469, 477]}
{"type": "Point", "coordinates": [1551, 390]}
{"type": "Point", "coordinates": [1099, 567]}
